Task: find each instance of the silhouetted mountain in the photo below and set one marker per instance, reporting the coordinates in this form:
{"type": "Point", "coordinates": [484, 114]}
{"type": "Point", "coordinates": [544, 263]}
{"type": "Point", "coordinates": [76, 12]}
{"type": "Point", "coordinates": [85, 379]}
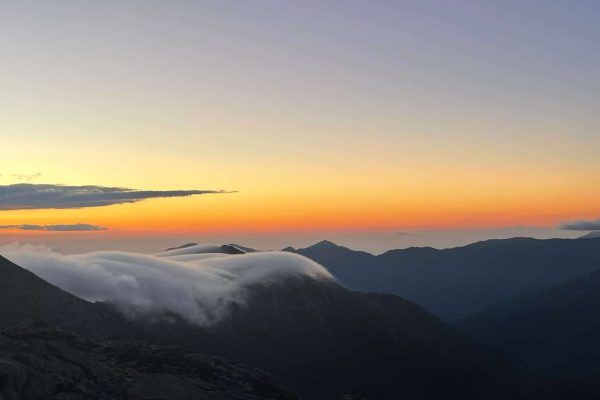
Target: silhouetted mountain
{"type": "Point", "coordinates": [554, 331]}
{"type": "Point", "coordinates": [24, 297]}
{"type": "Point", "coordinates": [349, 266]}
{"type": "Point", "coordinates": [591, 235]}
{"type": "Point", "coordinates": [39, 362]}
{"type": "Point", "coordinates": [195, 248]}
{"type": "Point", "coordinates": [243, 248]}
{"type": "Point", "coordinates": [322, 340]}
{"type": "Point", "coordinates": [456, 282]}
{"type": "Point", "coordinates": [183, 246]}
{"type": "Point", "coordinates": [230, 248]}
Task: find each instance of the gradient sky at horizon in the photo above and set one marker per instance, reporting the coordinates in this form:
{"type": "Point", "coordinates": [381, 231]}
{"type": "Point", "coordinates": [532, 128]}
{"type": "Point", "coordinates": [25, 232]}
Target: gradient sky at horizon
{"type": "Point", "coordinates": [324, 115]}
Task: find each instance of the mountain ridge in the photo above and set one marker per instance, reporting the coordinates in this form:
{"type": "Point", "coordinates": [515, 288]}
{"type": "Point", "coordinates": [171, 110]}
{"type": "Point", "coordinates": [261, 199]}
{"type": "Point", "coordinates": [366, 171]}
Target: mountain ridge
{"type": "Point", "coordinates": [460, 281]}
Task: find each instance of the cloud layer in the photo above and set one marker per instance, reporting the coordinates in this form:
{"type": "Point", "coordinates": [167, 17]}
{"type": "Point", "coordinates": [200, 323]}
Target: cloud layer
{"type": "Point", "coordinates": [199, 288]}
{"type": "Point", "coordinates": [581, 225]}
{"type": "Point", "coordinates": [27, 196]}
{"type": "Point", "coordinates": [55, 228]}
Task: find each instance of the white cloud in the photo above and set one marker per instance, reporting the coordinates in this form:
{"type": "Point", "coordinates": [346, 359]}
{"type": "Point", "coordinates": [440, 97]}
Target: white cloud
{"type": "Point", "coordinates": [197, 288]}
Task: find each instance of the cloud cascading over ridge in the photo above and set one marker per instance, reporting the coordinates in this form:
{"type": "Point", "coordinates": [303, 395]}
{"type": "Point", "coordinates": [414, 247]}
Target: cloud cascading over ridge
{"type": "Point", "coordinates": [199, 288]}
{"type": "Point", "coordinates": [28, 196]}
{"type": "Point", "coordinates": [55, 228]}
{"type": "Point", "coordinates": [581, 225]}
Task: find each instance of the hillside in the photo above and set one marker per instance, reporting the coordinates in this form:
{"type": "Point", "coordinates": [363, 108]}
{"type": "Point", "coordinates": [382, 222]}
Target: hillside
{"type": "Point", "coordinates": [554, 332]}
{"type": "Point", "coordinates": [24, 297]}
{"type": "Point", "coordinates": [322, 341]}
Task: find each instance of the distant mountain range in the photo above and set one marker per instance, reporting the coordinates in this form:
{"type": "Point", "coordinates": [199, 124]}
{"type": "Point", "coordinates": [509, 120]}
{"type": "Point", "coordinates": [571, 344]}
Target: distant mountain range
{"type": "Point", "coordinates": [529, 307]}
{"type": "Point", "coordinates": [458, 282]}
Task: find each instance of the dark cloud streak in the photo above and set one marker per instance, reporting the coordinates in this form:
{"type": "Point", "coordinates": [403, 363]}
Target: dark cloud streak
{"type": "Point", "coordinates": [581, 225]}
{"type": "Point", "coordinates": [26, 177]}
{"type": "Point", "coordinates": [27, 196]}
{"type": "Point", "coordinates": [55, 228]}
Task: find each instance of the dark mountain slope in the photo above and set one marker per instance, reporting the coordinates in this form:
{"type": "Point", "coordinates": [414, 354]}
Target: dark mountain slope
{"type": "Point", "coordinates": [454, 283]}
{"type": "Point", "coordinates": [349, 266]}
{"type": "Point", "coordinates": [25, 297]}
{"type": "Point", "coordinates": [322, 340]}
{"type": "Point", "coordinates": [554, 331]}
{"type": "Point", "coordinates": [547, 328]}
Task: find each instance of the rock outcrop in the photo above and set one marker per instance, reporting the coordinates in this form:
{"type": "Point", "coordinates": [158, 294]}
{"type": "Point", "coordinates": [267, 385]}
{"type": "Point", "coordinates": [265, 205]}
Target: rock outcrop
{"type": "Point", "coordinates": [38, 362]}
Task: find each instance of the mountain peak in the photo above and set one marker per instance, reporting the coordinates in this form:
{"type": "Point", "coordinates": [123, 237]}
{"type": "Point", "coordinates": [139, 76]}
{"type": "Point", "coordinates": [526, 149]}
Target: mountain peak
{"type": "Point", "coordinates": [184, 246]}
{"type": "Point", "coordinates": [194, 248]}
{"type": "Point", "coordinates": [324, 244]}
{"type": "Point", "coordinates": [245, 249]}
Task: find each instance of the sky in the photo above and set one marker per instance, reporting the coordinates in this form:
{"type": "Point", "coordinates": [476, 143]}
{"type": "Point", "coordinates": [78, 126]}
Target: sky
{"type": "Point", "coordinates": [355, 120]}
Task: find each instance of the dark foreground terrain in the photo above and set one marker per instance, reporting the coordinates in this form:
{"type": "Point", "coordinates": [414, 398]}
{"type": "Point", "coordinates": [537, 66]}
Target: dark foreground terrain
{"type": "Point", "coordinates": [38, 362]}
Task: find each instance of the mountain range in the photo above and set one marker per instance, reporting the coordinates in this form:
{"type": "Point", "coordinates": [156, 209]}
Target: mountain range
{"type": "Point", "coordinates": [458, 282]}
{"type": "Point", "coordinates": [529, 330]}
{"type": "Point", "coordinates": [314, 337]}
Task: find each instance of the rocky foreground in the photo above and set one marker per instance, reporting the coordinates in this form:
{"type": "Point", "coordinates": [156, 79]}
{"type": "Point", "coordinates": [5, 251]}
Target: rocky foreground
{"type": "Point", "coordinates": [40, 362]}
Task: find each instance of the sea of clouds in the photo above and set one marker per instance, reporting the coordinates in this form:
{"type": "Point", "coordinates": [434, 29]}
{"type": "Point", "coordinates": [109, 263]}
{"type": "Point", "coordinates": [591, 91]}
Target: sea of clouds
{"type": "Point", "coordinates": [198, 287]}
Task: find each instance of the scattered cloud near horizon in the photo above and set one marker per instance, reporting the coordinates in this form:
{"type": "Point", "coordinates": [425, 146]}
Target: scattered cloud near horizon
{"type": "Point", "coordinates": [581, 225]}
{"type": "Point", "coordinates": [23, 177]}
{"type": "Point", "coordinates": [28, 196]}
{"type": "Point", "coordinates": [55, 228]}
{"type": "Point", "coordinates": [26, 177]}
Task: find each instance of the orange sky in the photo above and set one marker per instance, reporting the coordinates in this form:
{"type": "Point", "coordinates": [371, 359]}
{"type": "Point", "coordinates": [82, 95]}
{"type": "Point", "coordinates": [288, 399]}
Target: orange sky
{"type": "Point", "coordinates": [366, 118]}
